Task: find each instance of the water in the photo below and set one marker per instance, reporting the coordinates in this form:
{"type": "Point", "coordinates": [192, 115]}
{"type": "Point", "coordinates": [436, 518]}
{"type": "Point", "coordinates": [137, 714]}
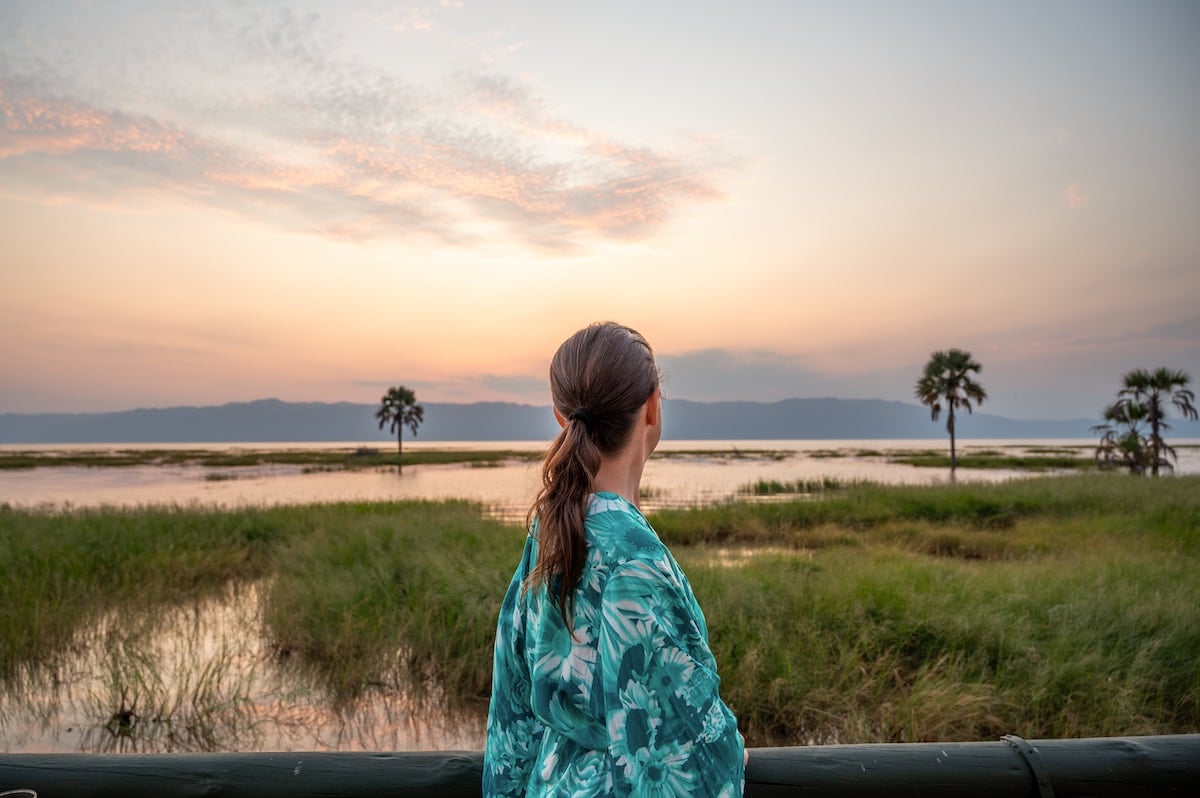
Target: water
{"type": "Point", "coordinates": [200, 677]}
{"type": "Point", "coordinates": [683, 473]}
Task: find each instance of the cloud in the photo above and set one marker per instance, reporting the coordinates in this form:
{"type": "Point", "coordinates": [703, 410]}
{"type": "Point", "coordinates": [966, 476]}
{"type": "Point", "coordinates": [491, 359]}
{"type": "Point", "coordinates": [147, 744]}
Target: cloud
{"type": "Point", "coordinates": [414, 17]}
{"type": "Point", "coordinates": [761, 375]}
{"type": "Point", "coordinates": [475, 387]}
{"type": "Point", "coordinates": [1076, 196]}
{"type": "Point", "coordinates": [259, 116]}
{"type": "Point", "coordinates": [1179, 337]}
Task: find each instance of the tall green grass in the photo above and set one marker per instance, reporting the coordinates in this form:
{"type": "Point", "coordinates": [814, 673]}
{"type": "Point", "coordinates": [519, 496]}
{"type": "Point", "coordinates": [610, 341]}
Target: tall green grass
{"type": "Point", "coordinates": [1033, 460]}
{"type": "Point", "coordinates": [1065, 606]}
{"type": "Point", "coordinates": [380, 590]}
{"type": "Point", "coordinates": [1045, 608]}
{"type": "Point", "coordinates": [61, 571]}
{"type": "Point", "coordinates": [311, 459]}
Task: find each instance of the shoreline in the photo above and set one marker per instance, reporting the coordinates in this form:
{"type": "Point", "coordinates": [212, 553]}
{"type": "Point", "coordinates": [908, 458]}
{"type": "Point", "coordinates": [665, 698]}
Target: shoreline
{"type": "Point", "coordinates": [1021, 456]}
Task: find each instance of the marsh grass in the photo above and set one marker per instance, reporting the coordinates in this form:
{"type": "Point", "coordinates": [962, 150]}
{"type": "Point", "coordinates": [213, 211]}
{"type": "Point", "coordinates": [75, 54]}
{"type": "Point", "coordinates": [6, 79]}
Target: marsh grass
{"type": "Point", "coordinates": [775, 487]}
{"type": "Point", "coordinates": [184, 677]}
{"type": "Point", "coordinates": [1033, 460]}
{"type": "Point", "coordinates": [406, 592]}
{"type": "Point", "coordinates": [313, 460]}
{"type": "Point", "coordinates": [1063, 450]}
{"type": "Point", "coordinates": [733, 454]}
{"type": "Point", "coordinates": [903, 614]}
{"type": "Point", "coordinates": [172, 681]}
{"type": "Point", "coordinates": [60, 572]}
{"type": "Point", "coordinates": [1050, 607]}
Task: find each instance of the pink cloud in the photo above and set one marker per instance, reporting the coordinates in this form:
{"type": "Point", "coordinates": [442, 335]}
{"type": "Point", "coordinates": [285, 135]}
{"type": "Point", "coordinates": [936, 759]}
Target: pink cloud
{"type": "Point", "coordinates": [1077, 196]}
{"type": "Point", "coordinates": [423, 166]}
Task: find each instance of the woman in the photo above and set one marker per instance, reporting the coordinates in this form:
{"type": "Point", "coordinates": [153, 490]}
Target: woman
{"type": "Point", "coordinates": [603, 682]}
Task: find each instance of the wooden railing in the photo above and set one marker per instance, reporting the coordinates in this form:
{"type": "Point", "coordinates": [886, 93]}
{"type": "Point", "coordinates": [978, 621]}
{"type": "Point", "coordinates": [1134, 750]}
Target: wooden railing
{"type": "Point", "coordinates": [1011, 767]}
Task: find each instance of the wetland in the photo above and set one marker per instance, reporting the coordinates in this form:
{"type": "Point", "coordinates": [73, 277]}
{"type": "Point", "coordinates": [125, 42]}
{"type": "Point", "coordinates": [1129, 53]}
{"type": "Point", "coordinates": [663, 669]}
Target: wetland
{"type": "Point", "coordinates": [841, 609]}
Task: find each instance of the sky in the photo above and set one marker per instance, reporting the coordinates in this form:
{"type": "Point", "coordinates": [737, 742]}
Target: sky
{"type": "Point", "coordinates": [228, 201]}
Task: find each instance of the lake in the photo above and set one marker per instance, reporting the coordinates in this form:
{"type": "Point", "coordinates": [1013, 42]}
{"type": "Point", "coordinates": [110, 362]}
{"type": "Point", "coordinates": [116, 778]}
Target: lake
{"type": "Point", "coordinates": [682, 473]}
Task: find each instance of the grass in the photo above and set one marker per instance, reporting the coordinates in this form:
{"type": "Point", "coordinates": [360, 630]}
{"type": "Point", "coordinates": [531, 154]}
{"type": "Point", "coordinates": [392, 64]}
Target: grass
{"type": "Point", "coordinates": [186, 693]}
{"type": "Point", "coordinates": [380, 590]}
{"type": "Point", "coordinates": [1052, 607]}
{"type": "Point", "coordinates": [724, 454]}
{"type": "Point", "coordinates": [61, 572]}
{"type": "Point", "coordinates": [310, 459]}
{"type": "Point", "coordinates": [775, 487]}
{"type": "Point", "coordinates": [318, 460]}
{"type": "Point", "coordinates": [1034, 460]}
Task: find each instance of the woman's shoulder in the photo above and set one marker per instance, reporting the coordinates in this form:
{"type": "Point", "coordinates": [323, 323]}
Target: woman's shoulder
{"type": "Point", "coordinates": [618, 534]}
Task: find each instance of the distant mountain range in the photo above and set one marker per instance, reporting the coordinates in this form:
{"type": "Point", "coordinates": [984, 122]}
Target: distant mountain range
{"type": "Point", "coordinates": [271, 420]}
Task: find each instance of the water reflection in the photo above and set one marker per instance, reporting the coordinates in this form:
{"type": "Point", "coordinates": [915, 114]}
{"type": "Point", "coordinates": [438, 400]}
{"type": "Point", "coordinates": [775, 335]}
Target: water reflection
{"type": "Point", "coordinates": [203, 678]}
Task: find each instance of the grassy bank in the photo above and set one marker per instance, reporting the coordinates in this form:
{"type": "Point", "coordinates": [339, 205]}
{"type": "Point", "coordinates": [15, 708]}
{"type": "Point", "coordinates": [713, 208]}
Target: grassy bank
{"type": "Point", "coordinates": [1064, 606]}
{"type": "Point", "coordinates": [1033, 460]}
{"type": "Point", "coordinates": [309, 459]}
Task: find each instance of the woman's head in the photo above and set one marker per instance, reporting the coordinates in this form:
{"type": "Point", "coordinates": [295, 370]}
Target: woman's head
{"type": "Point", "coordinates": [600, 380]}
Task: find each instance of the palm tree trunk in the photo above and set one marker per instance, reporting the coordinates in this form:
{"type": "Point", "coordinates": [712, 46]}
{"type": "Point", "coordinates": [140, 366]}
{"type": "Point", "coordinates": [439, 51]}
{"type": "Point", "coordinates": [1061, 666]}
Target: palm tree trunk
{"type": "Point", "coordinates": [1154, 442]}
{"type": "Point", "coordinates": [950, 427]}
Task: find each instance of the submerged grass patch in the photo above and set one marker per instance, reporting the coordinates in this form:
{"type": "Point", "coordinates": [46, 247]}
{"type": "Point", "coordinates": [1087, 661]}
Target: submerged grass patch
{"type": "Point", "coordinates": [61, 571]}
{"type": "Point", "coordinates": [410, 588]}
{"type": "Point", "coordinates": [1053, 607]}
{"type": "Point", "coordinates": [775, 487]}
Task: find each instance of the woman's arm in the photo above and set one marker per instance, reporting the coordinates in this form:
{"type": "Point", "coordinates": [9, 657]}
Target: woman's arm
{"type": "Point", "coordinates": [669, 729]}
{"type": "Point", "coordinates": [513, 732]}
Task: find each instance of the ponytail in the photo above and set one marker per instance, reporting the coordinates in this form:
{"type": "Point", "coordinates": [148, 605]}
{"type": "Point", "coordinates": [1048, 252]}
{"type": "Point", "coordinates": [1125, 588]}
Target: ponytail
{"type": "Point", "coordinates": [599, 378]}
{"type": "Point", "coordinates": [561, 507]}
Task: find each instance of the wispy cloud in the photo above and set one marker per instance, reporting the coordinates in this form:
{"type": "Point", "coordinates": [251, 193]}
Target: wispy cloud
{"type": "Point", "coordinates": [1076, 196]}
{"type": "Point", "coordinates": [725, 375]}
{"type": "Point", "coordinates": [1168, 337]}
{"type": "Point", "coordinates": [286, 131]}
{"type": "Point", "coordinates": [410, 17]}
{"type": "Point", "coordinates": [475, 387]}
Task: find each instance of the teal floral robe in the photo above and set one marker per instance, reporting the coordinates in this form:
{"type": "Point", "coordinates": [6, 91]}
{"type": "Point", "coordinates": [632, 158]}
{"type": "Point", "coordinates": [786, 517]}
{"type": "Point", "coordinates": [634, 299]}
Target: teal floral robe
{"type": "Point", "coordinates": [629, 705]}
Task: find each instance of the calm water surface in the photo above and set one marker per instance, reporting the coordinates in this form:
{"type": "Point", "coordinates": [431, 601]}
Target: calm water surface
{"type": "Point", "coordinates": [684, 473]}
{"type": "Point", "coordinates": [202, 677]}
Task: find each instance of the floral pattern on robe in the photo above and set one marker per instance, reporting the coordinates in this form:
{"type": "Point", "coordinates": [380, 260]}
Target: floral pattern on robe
{"type": "Point", "coordinates": [628, 705]}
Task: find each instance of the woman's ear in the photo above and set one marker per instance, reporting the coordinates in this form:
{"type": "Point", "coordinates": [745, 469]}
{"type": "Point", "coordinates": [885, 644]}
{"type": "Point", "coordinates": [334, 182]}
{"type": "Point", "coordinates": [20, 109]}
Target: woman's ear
{"type": "Point", "coordinates": [562, 422]}
{"type": "Point", "coordinates": [653, 407]}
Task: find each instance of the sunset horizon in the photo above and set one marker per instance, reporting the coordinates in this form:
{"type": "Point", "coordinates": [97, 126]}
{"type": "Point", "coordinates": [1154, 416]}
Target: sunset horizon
{"type": "Point", "coordinates": [315, 201]}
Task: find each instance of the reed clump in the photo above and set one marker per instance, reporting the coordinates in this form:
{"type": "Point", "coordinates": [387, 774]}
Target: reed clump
{"type": "Point", "coordinates": [777, 487]}
{"type": "Point", "coordinates": [404, 591]}
{"type": "Point", "coordinates": [313, 460]}
{"type": "Point", "coordinates": [61, 571]}
{"type": "Point", "coordinates": [1034, 460]}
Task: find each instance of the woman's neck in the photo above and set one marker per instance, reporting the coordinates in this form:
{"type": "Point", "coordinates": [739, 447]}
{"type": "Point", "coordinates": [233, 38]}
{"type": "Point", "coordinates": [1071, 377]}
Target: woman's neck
{"type": "Point", "coordinates": [621, 474]}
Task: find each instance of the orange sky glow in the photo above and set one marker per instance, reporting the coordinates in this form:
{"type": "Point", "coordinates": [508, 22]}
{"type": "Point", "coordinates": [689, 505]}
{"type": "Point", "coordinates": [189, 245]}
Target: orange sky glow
{"type": "Point", "coordinates": [313, 201]}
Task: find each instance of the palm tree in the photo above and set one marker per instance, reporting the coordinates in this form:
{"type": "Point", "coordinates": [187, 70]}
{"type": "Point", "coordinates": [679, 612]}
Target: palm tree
{"type": "Point", "coordinates": [1123, 441]}
{"type": "Point", "coordinates": [1151, 389]}
{"type": "Point", "coordinates": [399, 408]}
{"type": "Point", "coordinates": [947, 381]}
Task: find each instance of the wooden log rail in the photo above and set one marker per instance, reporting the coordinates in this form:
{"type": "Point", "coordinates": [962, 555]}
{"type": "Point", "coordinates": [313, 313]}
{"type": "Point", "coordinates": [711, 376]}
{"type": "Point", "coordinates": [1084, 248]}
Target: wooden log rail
{"type": "Point", "coordinates": [1086, 768]}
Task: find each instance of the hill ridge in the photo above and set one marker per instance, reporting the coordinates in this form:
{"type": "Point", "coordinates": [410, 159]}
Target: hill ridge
{"type": "Point", "coordinates": [274, 420]}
